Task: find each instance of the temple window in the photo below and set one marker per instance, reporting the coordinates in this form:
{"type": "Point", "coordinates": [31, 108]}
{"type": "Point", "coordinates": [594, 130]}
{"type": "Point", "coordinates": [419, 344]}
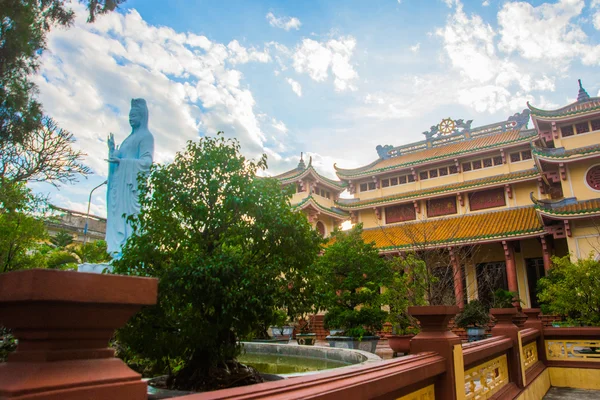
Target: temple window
{"type": "Point", "coordinates": [453, 169]}
{"type": "Point", "coordinates": [497, 160]}
{"type": "Point", "coordinates": [567, 131]}
{"type": "Point", "coordinates": [423, 175]}
{"type": "Point", "coordinates": [466, 166]}
{"type": "Point", "coordinates": [592, 177]}
{"type": "Point", "coordinates": [372, 186]}
{"type": "Point", "coordinates": [582, 127]}
{"type": "Point", "coordinates": [410, 178]}
{"type": "Point", "coordinates": [443, 206]}
{"type": "Point", "coordinates": [487, 162]}
{"type": "Point", "coordinates": [328, 195]}
{"type": "Point", "coordinates": [443, 171]}
{"type": "Point", "coordinates": [596, 125]}
{"type": "Point", "coordinates": [487, 199]}
{"type": "Point", "coordinates": [385, 183]}
{"type": "Point", "coordinates": [520, 156]}
{"type": "Point", "coordinates": [394, 181]}
{"type": "Point", "coordinates": [476, 164]}
{"type": "Point", "coordinates": [321, 228]}
{"type": "Point", "coordinates": [363, 187]}
{"type": "Point", "coordinates": [299, 188]}
{"type": "Point", "coordinates": [433, 173]}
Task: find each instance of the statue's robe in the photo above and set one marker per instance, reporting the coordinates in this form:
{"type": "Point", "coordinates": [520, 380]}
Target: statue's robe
{"type": "Point", "coordinates": [135, 155]}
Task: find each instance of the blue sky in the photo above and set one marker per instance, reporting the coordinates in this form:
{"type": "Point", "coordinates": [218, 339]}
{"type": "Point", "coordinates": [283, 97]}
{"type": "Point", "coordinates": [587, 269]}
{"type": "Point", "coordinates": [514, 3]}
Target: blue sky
{"type": "Point", "coordinates": [329, 78]}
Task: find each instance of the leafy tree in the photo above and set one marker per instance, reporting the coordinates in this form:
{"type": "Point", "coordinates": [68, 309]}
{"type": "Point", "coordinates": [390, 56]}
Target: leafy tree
{"type": "Point", "coordinates": [353, 274]}
{"type": "Point", "coordinates": [572, 289]}
{"type": "Point", "coordinates": [20, 229]}
{"type": "Point", "coordinates": [405, 289]}
{"type": "Point", "coordinates": [228, 251]}
{"type": "Point", "coordinates": [32, 147]}
{"type": "Point", "coordinates": [92, 252]}
{"type": "Point", "coordinates": [62, 239]}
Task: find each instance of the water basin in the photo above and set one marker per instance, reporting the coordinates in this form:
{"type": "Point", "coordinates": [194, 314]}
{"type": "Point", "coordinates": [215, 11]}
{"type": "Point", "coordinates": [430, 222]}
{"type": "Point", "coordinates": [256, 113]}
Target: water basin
{"type": "Point", "coordinates": [288, 364]}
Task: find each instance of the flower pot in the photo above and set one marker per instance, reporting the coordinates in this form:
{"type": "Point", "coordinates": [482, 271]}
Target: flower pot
{"type": "Point", "coordinates": [368, 343]}
{"type": "Point", "coordinates": [400, 343]}
{"type": "Point", "coordinates": [306, 339]}
{"type": "Point", "coordinates": [336, 332]}
{"type": "Point", "coordinates": [475, 333]}
{"type": "Point", "coordinates": [282, 331]}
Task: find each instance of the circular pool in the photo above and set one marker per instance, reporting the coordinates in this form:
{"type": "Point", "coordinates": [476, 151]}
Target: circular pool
{"type": "Point", "coordinates": [291, 360]}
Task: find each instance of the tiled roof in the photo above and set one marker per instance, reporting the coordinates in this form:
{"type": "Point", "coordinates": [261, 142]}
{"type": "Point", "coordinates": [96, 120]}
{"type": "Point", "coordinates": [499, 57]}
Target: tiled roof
{"type": "Point", "coordinates": [471, 184]}
{"type": "Point", "coordinates": [310, 200]}
{"type": "Point", "coordinates": [561, 153]}
{"type": "Point", "coordinates": [470, 228]}
{"type": "Point", "coordinates": [580, 208]}
{"type": "Point", "coordinates": [295, 174]}
{"type": "Point", "coordinates": [579, 107]}
{"type": "Point", "coordinates": [438, 153]}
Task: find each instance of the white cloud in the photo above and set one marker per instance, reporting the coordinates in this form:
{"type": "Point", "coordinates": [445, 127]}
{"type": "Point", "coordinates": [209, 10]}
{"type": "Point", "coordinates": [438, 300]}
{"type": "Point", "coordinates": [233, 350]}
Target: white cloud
{"type": "Point", "coordinates": [549, 32]}
{"type": "Point", "coordinates": [485, 3]}
{"type": "Point", "coordinates": [285, 23]}
{"type": "Point", "coordinates": [240, 55]}
{"type": "Point", "coordinates": [595, 7]}
{"type": "Point", "coordinates": [296, 87]}
{"type": "Point", "coordinates": [318, 58]}
{"type": "Point", "coordinates": [91, 71]}
{"type": "Point", "coordinates": [415, 48]}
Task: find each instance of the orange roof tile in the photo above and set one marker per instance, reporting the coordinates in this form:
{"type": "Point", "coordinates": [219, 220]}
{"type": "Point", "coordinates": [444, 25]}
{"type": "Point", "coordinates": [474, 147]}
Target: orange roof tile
{"type": "Point", "coordinates": [450, 150]}
{"type": "Point", "coordinates": [471, 228]}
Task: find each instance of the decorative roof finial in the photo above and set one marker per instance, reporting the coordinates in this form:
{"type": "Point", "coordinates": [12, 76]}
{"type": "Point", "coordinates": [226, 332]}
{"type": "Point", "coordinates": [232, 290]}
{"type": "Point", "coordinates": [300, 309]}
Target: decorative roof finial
{"type": "Point", "coordinates": [582, 95]}
{"type": "Point", "coordinates": [301, 165]}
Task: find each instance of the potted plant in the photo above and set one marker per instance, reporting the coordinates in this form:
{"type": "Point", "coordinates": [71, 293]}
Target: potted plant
{"type": "Point", "coordinates": [354, 273]}
{"type": "Point", "coordinates": [405, 289]}
{"type": "Point", "coordinates": [282, 327]}
{"type": "Point", "coordinates": [473, 318]}
{"type": "Point", "coordinates": [306, 337]}
{"type": "Point", "coordinates": [503, 306]}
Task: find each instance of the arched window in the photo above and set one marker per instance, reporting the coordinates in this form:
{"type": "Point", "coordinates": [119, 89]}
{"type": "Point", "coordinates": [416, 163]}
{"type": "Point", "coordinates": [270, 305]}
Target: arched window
{"type": "Point", "coordinates": [321, 228]}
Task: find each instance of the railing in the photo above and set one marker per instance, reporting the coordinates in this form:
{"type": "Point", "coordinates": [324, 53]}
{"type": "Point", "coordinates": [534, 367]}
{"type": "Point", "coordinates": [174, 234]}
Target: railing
{"type": "Point", "coordinates": [70, 317]}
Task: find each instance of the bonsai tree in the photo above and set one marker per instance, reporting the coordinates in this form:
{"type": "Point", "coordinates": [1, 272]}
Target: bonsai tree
{"type": "Point", "coordinates": [505, 299]}
{"type": "Point", "coordinates": [353, 274]}
{"type": "Point", "coordinates": [572, 289]}
{"type": "Point", "coordinates": [228, 251]}
{"type": "Point", "coordinates": [404, 289]}
{"type": "Point", "coordinates": [473, 315]}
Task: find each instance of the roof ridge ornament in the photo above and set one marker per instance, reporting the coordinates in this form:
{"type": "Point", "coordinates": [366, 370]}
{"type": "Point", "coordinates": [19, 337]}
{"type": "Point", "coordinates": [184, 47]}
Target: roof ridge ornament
{"type": "Point", "coordinates": [301, 165]}
{"type": "Point", "coordinates": [582, 95]}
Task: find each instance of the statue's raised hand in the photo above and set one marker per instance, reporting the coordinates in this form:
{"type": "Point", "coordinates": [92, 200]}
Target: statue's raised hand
{"type": "Point", "coordinates": [111, 144]}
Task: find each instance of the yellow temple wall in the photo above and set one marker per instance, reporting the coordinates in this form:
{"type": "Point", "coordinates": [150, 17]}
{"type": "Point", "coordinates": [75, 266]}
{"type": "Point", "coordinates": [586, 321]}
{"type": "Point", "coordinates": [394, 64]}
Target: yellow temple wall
{"type": "Point", "coordinates": [298, 197]}
{"type": "Point", "coordinates": [576, 185]}
{"type": "Point", "coordinates": [369, 220]}
{"type": "Point", "coordinates": [521, 193]}
{"type": "Point", "coordinates": [585, 238]}
{"type": "Point", "coordinates": [578, 140]}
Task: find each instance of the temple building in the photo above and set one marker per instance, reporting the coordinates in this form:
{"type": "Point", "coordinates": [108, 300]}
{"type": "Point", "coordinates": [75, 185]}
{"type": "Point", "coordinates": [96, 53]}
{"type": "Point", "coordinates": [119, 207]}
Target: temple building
{"type": "Point", "coordinates": [316, 196]}
{"type": "Point", "coordinates": [508, 196]}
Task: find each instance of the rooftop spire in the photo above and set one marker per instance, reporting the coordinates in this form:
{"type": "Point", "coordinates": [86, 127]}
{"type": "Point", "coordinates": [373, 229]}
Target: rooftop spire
{"type": "Point", "coordinates": [301, 165]}
{"type": "Point", "coordinates": [582, 95]}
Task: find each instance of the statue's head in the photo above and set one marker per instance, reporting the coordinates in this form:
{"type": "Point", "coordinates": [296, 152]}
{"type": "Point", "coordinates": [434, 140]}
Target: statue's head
{"type": "Point", "coordinates": [138, 116]}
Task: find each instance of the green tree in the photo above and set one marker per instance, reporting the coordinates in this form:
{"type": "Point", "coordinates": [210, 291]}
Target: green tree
{"type": "Point", "coordinates": [92, 252]}
{"type": "Point", "coordinates": [20, 229]}
{"type": "Point", "coordinates": [228, 251]}
{"type": "Point", "coordinates": [62, 239]}
{"type": "Point", "coordinates": [353, 275]}
{"type": "Point", "coordinates": [572, 289]}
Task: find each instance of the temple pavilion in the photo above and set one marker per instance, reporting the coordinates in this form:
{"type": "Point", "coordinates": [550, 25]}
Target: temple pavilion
{"type": "Point", "coordinates": [512, 196]}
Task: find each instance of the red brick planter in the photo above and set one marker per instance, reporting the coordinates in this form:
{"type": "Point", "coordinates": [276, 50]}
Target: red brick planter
{"type": "Point", "coordinates": [63, 322]}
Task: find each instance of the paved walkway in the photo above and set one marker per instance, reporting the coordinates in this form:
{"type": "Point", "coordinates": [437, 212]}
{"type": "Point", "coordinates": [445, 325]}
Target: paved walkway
{"type": "Point", "coordinates": [556, 393]}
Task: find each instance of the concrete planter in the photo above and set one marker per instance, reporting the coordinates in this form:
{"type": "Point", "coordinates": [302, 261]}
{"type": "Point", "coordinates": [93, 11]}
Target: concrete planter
{"type": "Point", "coordinates": [475, 333]}
{"type": "Point", "coordinates": [368, 343]}
{"type": "Point", "coordinates": [282, 331]}
{"type": "Point", "coordinates": [400, 343]}
{"type": "Point", "coordinates": [63, 321]}
{"type": "Point", "coordinates": [306, 339]}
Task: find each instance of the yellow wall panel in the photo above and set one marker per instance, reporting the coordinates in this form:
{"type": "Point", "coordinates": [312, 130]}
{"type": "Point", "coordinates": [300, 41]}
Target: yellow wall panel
{"type": "Point", "coordinates": [538, 388]}
{"type": "Point", "coordinates": [578, 378]}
